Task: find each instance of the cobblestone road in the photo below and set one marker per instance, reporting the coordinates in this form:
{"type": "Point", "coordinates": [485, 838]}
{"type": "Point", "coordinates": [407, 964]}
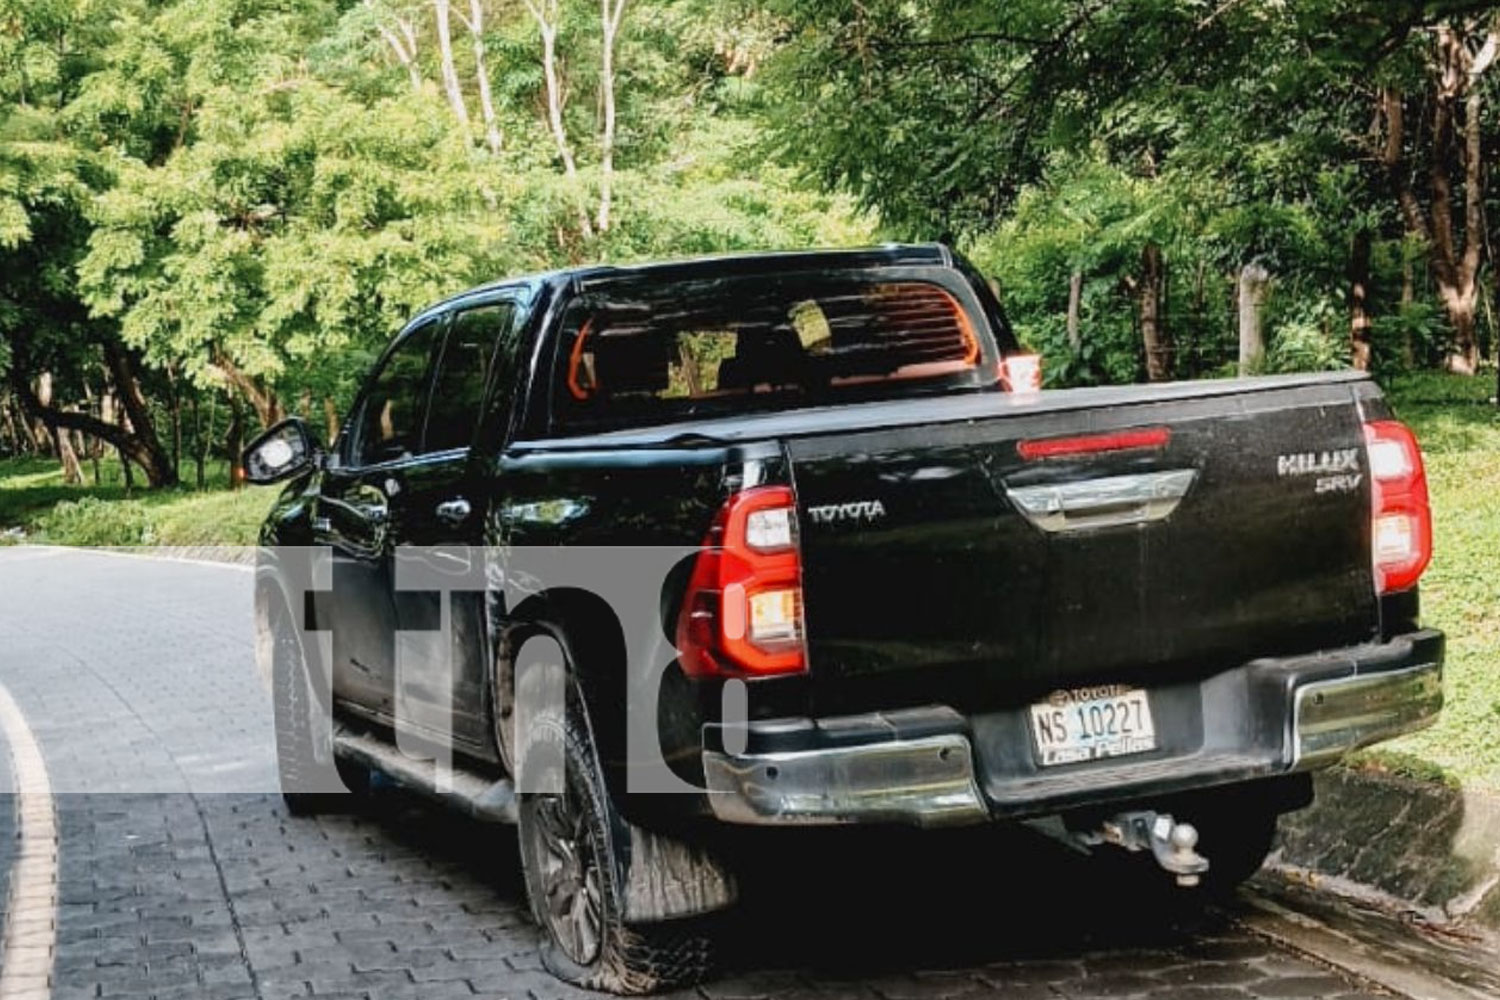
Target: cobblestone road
{"type": "Point", "coordinates": [181, 875]}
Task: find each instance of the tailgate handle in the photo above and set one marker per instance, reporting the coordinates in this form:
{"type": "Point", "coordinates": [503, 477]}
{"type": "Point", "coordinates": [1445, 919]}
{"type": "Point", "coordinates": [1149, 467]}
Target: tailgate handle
{"type": "Point", "coordinates": [1103, 503]}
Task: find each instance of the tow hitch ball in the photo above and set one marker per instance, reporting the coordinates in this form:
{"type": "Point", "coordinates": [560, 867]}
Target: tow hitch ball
{"type": "Point", "coordinates": [1172, 843]}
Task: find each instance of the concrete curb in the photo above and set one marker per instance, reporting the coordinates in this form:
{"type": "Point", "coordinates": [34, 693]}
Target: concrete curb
{"type": "Point", "coordinates": [1417, 848]}
{"type": "Point", "coordinates": [224, 555]}
{"type": "Point", "coordinates": [228, 556]}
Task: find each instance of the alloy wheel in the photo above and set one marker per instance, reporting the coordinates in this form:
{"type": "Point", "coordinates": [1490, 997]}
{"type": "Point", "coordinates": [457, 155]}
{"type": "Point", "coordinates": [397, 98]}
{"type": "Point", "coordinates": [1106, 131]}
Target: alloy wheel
{"type": "Point", "coordinates": [572, 900]}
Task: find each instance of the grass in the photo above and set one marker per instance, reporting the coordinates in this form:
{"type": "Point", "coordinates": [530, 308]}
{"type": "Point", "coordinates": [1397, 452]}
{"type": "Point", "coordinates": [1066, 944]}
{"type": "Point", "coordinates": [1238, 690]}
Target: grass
{"type": "Point", "coordinates": [1460, 434]}
{"type": "Point", "coordinates": [37, 506]}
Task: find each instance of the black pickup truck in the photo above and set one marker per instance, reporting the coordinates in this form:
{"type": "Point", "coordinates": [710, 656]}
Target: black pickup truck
{"type": "Point", "coordinates": [902, 593]}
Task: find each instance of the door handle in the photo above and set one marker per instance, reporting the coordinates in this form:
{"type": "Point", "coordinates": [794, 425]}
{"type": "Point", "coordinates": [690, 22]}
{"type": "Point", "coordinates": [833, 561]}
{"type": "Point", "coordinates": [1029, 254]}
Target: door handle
{"type": "Point", "coordinates": [1103, 503]}
{"type": "Point", "coordinates": [453, 511]}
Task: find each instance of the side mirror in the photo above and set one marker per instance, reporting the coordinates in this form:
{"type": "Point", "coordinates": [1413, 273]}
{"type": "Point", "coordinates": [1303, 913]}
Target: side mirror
{"type": "Point", "coordinates": [286, 450]}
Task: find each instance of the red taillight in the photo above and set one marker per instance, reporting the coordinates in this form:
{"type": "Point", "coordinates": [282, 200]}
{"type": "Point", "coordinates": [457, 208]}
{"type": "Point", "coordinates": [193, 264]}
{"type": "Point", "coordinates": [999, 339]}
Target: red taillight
{"type": "Point", "coordinates": [1400, 515]}
{"type": "Point", "coordinates": [742, 613]}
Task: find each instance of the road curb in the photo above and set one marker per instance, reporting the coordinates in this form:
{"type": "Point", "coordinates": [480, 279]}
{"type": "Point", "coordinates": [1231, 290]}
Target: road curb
{"type": "Point", "coordinates": [241, 557]}
{"type": "Point", "coordinates": [1414, 971]}
{"type": "Point", "coordinates": [28, 937]}
{"type": "Point", "coordinates": [1421, 846]}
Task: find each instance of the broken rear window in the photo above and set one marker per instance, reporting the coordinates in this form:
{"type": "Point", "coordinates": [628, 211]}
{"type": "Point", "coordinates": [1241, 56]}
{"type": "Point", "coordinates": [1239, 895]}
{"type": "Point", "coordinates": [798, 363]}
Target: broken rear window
{"type": "Point", "coordinates": [643, 353]}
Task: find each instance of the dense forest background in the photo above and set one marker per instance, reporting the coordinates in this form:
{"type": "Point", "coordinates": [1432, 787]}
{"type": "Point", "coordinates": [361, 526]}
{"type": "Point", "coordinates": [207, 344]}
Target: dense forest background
{"type": "Point", "coordinates": [216, 212]}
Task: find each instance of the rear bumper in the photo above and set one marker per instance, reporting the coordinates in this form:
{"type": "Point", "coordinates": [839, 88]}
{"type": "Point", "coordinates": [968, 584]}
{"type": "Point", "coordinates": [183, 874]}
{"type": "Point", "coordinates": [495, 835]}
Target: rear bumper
{"type": "Point", "coordinates": [936, 767]}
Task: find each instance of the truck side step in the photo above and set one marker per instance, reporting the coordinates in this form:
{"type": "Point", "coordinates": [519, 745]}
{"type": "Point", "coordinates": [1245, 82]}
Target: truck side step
{"type": "Point", "coordinates": [481, 797]}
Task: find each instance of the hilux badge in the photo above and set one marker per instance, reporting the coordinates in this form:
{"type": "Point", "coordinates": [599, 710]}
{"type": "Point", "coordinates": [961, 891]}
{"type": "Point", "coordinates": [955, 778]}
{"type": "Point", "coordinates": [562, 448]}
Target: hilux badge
{"type": "Point", "coordinates": [1318, 463]}
{"type": "Point", "coordinates": [1337, 471]}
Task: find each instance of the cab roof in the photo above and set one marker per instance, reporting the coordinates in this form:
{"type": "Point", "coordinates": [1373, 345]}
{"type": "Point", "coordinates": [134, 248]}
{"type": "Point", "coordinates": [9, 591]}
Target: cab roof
{"type": "Point", "coordinates": [713, 266]}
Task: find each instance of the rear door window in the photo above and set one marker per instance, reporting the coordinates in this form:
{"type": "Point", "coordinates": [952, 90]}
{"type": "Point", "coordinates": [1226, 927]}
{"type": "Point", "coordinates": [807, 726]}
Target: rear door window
{"type": "Point", "coordinates": [644, 353]}
{"type": "Point", "coordinates": [475, 337]}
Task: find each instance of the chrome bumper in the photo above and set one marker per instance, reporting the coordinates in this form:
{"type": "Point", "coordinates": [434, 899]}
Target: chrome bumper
{"type": "Point", "coordinates": [1332, 718]}
{"type": "Point", "coordinates": [929, 782]}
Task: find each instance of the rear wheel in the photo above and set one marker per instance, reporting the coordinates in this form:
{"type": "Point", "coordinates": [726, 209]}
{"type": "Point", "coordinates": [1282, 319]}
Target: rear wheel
{"type": "Point", "coordinates": [565, 854]}
{"type": "Point", "coordinates": [1236, 836]}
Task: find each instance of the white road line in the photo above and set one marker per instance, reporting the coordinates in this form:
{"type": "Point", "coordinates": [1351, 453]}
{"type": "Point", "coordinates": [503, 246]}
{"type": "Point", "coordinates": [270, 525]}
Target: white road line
{"type": "Point", "coordinates": [30, 934]}
{"type": "Point", "coordinates": [159, 554]}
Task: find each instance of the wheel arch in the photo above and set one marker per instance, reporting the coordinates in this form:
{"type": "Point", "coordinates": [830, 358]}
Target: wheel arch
{"type": "Point", "coordinates": [659, 875]}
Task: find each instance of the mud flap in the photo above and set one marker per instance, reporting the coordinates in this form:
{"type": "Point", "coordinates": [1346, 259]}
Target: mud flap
{"type": "Point", "coordinates": [665, 878]}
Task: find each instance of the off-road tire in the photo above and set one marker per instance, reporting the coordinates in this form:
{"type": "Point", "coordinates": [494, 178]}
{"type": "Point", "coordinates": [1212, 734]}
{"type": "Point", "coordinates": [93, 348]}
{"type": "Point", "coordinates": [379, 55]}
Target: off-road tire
{"type": "Point", "coordinates": [1235, 837]}
{"type": "Point", "coordinates": [310, 777]}
{"type": "Point", "coordinates": [630, 959]}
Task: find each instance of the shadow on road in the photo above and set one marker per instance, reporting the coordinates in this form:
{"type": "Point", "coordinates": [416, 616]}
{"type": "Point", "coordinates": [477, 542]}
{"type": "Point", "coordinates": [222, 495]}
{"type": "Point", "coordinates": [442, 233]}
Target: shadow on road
{"type": "Point", "coordinates": [859, 902]}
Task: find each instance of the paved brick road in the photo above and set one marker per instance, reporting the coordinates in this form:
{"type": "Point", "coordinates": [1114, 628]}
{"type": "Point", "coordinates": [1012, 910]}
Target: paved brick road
{"type": "Point", "coordinates": [182, 877]}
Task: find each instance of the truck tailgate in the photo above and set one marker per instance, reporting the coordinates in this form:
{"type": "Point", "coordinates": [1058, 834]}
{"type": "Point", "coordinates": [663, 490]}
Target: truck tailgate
{"type": "Point", "coordinates": [985, 562]}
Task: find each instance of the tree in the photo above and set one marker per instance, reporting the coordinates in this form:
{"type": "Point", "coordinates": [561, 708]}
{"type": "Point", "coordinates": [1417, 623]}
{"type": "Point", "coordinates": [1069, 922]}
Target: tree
{"type": "Point", "coordinates": [611, 15]}
{"type": "Point", "coordinates": [548, 14]}
{"type": "Point", "coordinates": [443, 12]}
{"type": "Point", "coordinates": [221, 201]}
{"type": "Point", "coordinates": [399, 31]}
{"type": "Point", "coordinates": [47, 181]}
{"type": "Point", "coordinates": [475, 23]}
{"type": "Point", "coordinates": [1461, 54]}
{"type": "Point", "coordinates": [941, 116]}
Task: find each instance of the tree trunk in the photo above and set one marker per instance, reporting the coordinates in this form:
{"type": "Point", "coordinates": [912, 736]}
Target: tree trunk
{"type": "Point", "coordinates": [443, 9]}
{"type": "Point", "coordinates": [200, 441]}
{"type": "Point", "coordinates": [1459, 63]}
{"type": "Point", "coordinates": [403, 42]}
{"type": "Point", "coordinates": [482, 75]}
{"type": "Point", "coordinates": [17, 441]}
{"type": "Point", "coordinates": [1408, 299]}
{"type": "Point", "coordinates": [546, 21]}
{"type": "Point", "coordinates": [267, 407]}
{"type": "Point", "coordinates": [68, 455]}
{"type": "Point", "coordinates": [331, 415]}
{"type": "Point", "coordinates": [1359, 301]}
{"type": "Point", "coordinates": [122, 419]}
{"type": "Point", "coordinates": [62, 447]}
{"type": "Point", "coordinates": [55, 420]}
{"type": "Point", "coordinates": [154, 460]}
{"type": "Point", "coordinates": [25, 436]}
{"type": "Point", "coordinates": [1075, 307]}
{"type": "Point", "coordinates": [106, 414]}
{"type": "Point", "coordinates": [1153, 330]}
{"type": "Point", "coordinates": [611, 13]}
{"type": "Point", "coordinates": [1458, 287]}
{"type": "Point", "coordinates": [1463, 314]}
{"type": "Point", "coordinates": [174, 405]}
{"type": "Point", "coordinates": [234, 442]}
{"type": "Point", "coordinates": [1254, 286]}
{"type": "Point", "coordinates": [41, 437]}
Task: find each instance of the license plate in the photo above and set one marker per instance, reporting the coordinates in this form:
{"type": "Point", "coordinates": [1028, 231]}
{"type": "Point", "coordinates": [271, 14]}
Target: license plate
{"type": "Point", "coordinates": [1071, 727]}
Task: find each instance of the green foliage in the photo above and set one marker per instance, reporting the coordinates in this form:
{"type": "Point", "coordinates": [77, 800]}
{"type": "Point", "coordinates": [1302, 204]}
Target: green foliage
{"type": "Point", "coordinates": [1412, 335]}
{"type": "Point", "coordinates": [1314, 338]}
{"type": "Point", "coordinates": [94, 521]}
{"type": "Point", "coordinates": [1460, 434]}
{"type": "Point", "coordinates": [1093, 218]}
{"type": "Point", "coordinates": [1061, 135]}
{"type": "Point", "coordinates": [258, 191]}
{"type": "Point", "coordinates": [36, 506]}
